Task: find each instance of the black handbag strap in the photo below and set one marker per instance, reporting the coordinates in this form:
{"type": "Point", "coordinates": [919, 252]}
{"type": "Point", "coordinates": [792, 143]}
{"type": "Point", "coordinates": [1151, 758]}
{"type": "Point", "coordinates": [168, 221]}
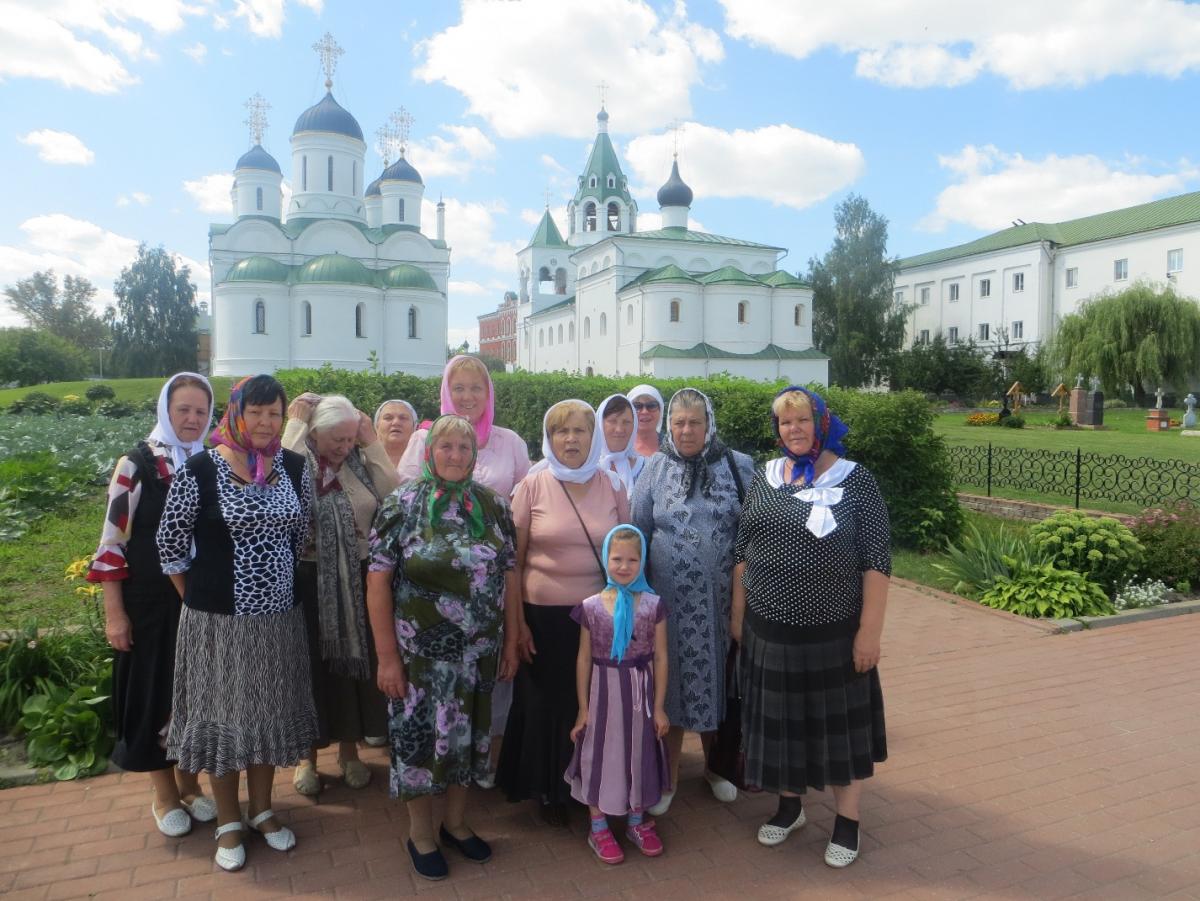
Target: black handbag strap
{"type": "Point", "coordinates": [737, 476]}
{"type": "Point", "coordinates": [586, 533]}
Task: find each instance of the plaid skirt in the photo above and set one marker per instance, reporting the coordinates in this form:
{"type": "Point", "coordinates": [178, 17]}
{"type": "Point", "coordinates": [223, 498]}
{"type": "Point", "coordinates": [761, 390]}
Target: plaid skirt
{"type": "Point", "coordinates": [808, 719]}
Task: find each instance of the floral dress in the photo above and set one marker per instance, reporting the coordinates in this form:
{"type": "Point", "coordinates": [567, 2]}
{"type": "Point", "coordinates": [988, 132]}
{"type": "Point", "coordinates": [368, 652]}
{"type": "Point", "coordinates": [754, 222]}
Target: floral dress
{"type": "Point", "coordinates": [448, 595]}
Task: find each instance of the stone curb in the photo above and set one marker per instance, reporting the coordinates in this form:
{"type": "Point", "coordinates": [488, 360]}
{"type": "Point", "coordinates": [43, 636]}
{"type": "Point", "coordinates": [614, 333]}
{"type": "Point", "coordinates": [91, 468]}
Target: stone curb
{"type": "Point", "coordinates": [1046, 626]}
{"type": "Point", "coordinates": [1181, 608]}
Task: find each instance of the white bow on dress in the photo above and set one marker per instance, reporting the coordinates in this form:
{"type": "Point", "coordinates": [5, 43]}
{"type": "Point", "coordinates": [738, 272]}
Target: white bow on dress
{"type": "Point", "coordinates": [820, 518]}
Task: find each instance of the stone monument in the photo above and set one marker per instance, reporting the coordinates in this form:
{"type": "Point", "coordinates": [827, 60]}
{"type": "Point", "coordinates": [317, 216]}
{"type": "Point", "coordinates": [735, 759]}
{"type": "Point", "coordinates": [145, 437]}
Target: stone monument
{"type": "Point", "coordinates": [1087, 405]}
{"type": "Point", "coordinates": [1158, 419]}
{"type": "Point", "coordinates": [1189, 418]}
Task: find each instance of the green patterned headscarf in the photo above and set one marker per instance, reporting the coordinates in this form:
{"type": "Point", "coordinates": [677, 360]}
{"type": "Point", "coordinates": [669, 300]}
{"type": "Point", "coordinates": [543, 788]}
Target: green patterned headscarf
{"type": "Point", "coordinates": [445, 491]}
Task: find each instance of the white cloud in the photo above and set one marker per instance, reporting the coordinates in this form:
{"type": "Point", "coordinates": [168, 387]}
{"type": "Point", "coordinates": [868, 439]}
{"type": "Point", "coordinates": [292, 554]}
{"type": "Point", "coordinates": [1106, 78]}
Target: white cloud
{"type": "Point", "coordinates": [196, 51]}
{"type": "Point", "coordinates": [456, 155]}
{"type": "Point", "coordinates": [552, 55]}
{"type": "Point", "coordinates": [777, 163]}
{"type": "Point", "coordinates": [59, 147]}
{"type": "Point", "coordinates": [133, 197]}
{"type": "Point", "coordinates": [558, 213]}
{"type": "Point", "coordinates": [265, 17]}
{"type": "Point", "coordinates": [469, 288]}
{"type": "Point", "coordinates": [80, 43]}
{"type": "Point", "coordinates": [456, 336]}
{"type": "Point", "coordinates": [211, 192]}
{"type": "Point", "coordinates": [470, 231]}
{"type": "Point", "coordinates": [1028, 43]}
{"type": "Point", "coordinates": [994, 188]}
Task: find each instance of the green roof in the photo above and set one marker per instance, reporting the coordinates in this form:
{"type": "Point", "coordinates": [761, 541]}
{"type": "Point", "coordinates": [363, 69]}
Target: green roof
{"type": "Point", "coordinates": [1179, 210]}
{"type": "Point", "coordinates": [679, 233]}
{"type": "Point", "coordinates": [782, 279]}
{"type": "Point", "coordinates": [547, 234]}
{"type": "Point", "coordinates": [406, 275]}
{"type": "Point", "coordinates": [602, 162]}
{"type": "Point", "coordinates": [704, 351]}
{"type": "Point", "coordinates": [554, 307]}
{"type": "Point", "coordinates": [335, 268]}
{"type": "Point", "coordinates": [729, 275]}
{"type": "Point", "coordinates": [258, 269]}
{"type": "Point", "coordinates": [294, 228]}
{"type": "Point", "coordinates": [668, 273]}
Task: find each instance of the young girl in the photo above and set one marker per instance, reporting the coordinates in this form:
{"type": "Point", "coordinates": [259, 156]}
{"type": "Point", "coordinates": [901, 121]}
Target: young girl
{"type": "Point", "coordinates": [620, 764]}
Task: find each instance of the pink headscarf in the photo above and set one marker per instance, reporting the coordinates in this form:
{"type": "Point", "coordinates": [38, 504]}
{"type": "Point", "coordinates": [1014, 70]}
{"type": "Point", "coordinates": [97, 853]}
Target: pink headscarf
{"type": "Point", "coordinates": [483, 427]}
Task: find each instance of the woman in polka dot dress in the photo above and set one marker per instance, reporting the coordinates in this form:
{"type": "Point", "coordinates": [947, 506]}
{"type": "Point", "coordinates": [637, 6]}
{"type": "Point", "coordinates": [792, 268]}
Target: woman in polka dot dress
{"type": "Point", "coordinates": [810, 588]}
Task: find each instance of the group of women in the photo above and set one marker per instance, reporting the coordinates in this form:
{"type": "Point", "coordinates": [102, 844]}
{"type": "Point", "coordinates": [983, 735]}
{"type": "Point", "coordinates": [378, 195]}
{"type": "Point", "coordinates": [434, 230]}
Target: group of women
{"type": "Point", "coordinates": [374, 579]}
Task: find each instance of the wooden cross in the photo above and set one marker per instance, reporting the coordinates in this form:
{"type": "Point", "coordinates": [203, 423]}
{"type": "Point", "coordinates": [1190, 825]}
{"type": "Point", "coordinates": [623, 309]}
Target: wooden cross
{"type": "Point", "coordinates": [1061, 393]}
{"type": "Point", "coordinates": [1015, 393]}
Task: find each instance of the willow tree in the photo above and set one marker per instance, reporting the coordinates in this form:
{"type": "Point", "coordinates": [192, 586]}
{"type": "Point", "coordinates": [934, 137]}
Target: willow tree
{"type": "Point", "coordinates": [1142, 337]}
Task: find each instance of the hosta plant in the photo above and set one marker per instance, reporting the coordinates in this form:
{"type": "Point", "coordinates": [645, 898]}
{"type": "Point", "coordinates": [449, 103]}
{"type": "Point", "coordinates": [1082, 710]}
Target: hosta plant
{"type": "Point", "coordinates": [1042, 590]}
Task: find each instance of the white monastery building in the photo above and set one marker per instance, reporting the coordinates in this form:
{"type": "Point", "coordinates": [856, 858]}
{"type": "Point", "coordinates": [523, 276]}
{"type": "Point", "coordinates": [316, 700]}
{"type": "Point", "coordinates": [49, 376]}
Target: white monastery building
{"type": "Point", "coordinates": [342, 276]}
{"type": "Point", "coordinates": [1012, 288]}
{"type": "Point", "coordinates": [611, 300]}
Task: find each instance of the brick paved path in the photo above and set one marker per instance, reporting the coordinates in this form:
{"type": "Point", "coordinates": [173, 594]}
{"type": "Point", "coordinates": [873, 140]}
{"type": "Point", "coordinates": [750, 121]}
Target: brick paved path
{"type": "Point", "coordinates": [1024, 765]}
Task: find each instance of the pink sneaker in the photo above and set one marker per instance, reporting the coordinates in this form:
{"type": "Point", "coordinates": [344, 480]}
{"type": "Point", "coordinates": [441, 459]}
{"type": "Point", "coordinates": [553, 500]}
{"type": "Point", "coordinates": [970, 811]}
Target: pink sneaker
{"type": "Point", "coordinates": [644, 836]}
{"type": "Point", "coordinates": [606, 847]}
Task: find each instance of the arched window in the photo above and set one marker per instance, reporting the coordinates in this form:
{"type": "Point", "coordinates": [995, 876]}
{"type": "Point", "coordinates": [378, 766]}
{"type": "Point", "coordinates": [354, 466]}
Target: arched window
{"type": "Point", "coordinates": [589, 217]}
{"type": "Point", "coordinates": [400, 210]}
{"type": "Point", "coordinates": [258, 198]}
{"type": "Point", "coordinates": [260, 317]}
{"type": "Point", "coordinates": [544, 278]}
{"type": "Point", "coordinates": [587, 327]}
{"type": "Point", "coordinates": [592, 182]}
{"type": "Point", "coordinates": [360, 327]}
{"type": "Point", "coordinates": [412, 322]}
{"type": "Point", "coordinates": [614, 217]}
{"type": "Point", "coordinates": [560, 280]}
{"type": "Point", "coordinates": [560, 333]}
{"type": "Point", "coordinates": [306, 319]}
{"type": "Point", "coordinates": [590, 372]}
{"type": "Point", "coordinates": [571, 332]}
{"type": "Point", "coordinates": [603, 325]}
{"type": "Point", "coordinates": [304, 173]}
{"type": "Point", "coordinates": [329, 173]}
{"type": "Point", "coordinates": [674, 311]}
{"type": "Point", "coordinates": [541, 337]}
{"type": "Point", "coordinates": [612, 181]}
{"type": "Point", "coordinates": [798, 314]}
{"type": "Point", "coordinates": [571, 219]}
{"type": "Point", "coordinates": [743, 312]}
{"type": "Point", "coordinates": [354, 178]}
{"type": "Point", "coordinates": [629, 315]}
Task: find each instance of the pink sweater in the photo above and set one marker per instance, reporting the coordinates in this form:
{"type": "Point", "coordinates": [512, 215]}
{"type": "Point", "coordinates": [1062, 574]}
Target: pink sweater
{"type": "Point", "coordinates": [560, 568]}
{"type": "Point", "coordinates": [500, 465]}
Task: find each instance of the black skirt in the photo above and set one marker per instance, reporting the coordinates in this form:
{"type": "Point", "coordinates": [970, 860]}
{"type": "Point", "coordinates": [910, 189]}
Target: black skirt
{"type": "Point", "coordinates": [348, 709]}
{"type": "Point", "coordinates": [537, 741]}
{"type": "Point", "coordinates": [142, 682]}
{"type": "Point", "coordinates": [808, 719]}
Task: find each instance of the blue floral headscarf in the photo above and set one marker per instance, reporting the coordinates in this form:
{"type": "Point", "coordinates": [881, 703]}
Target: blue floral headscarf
{"type": "Point", "coordinates": [623, 610]}
{"type": "Point", "coordinates": [828, 432]}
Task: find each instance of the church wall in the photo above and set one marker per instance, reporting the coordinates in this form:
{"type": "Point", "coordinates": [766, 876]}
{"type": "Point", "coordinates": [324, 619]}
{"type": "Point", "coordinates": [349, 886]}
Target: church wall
{"type": "Point", "coordinates": [251, 237]}
{"type": "Point", "coordinates": [333, 338]}
{"type": "Point", "coordinates": [550, 354]}
{"type": "Point", "coordinates": [425, 354]}
{"type": "Point", "coordinates": [721, 326]}
{"type": "Point", "coordinates": [313, 198]}
{"type": "Point", "coordinates": [245, 191]}
{"type": "Point", "coordinates": [659, 329]}
{"type": "Point", "coordinates": [596, 301]}
{"type": "Point", "coordinates": [799, 372]}
{"type": "Point", "coordinates": [237, 349]}
{"type": "Point", "coordinates": [784, 331]}
{"type": "Point", "coordinates": [332, 236]}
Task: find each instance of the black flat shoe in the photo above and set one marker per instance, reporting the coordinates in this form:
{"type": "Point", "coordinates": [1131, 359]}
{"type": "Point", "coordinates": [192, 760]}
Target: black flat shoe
{"type": "Point", "coordinates": [431, 866]}
{"type": "Point", "coordinates": [473, 848]}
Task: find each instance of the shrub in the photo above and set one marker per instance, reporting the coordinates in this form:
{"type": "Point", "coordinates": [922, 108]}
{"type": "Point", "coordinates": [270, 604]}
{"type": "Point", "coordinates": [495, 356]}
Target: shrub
{"type": "Point", "coordinates": [100, 392]}
{"type": "Point", "coordinates": [1013, 421]}
{"type": "Point", "coordinates": [983, 419]}
{"type": "Point", "coordinates": [148, 405]}
{"type": "Point", "coordinates": [31, 357]}
{"type": "Point", "coordinates": [1063, 421]}
{"type": "Point", "coordinates": [1044, 590]}
{"type": "Point", "coordinates": [75, 406]}
{"type": "Point", "coordinates": [891, 434]}
{"type": "Point", "coordinates": [978, 560]}
{"type": "Point", "coordinates": [116, 409]}
{"type": "Point", "coordinates": [1170, 537]}
{"type": "Point", "coordinates": [36, 402]}
{"type": "Point", "coordinates": [1098, 547]}
{"type": "Point", "coordinates": [1134, 595]}
{"type": "Point", "coordinates": [1115, 403]}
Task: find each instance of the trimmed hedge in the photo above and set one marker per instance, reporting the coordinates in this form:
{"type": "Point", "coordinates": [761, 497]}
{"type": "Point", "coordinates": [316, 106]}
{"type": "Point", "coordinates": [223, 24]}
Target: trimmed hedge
{"type": "Point", "coordinates": [890, 434]}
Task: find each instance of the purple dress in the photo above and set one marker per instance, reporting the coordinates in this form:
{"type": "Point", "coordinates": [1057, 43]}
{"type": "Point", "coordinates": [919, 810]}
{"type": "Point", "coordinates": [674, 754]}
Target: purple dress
{"type": "Point", "coordinates": [619, 763]}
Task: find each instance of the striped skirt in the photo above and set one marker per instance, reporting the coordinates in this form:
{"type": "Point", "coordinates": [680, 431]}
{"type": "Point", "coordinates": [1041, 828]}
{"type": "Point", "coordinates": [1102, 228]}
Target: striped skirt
{"type": "Point", "coordinates": [619, 763]}
{"type": "Point", "coordinates": [808, 719]}
{"type": "Point", "coordinates": [243, 694]}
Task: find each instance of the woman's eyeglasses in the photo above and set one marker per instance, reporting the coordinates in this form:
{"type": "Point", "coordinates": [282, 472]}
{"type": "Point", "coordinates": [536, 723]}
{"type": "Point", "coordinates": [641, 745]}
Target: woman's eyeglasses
{"type": "Point", "coordinates": [640, 406]}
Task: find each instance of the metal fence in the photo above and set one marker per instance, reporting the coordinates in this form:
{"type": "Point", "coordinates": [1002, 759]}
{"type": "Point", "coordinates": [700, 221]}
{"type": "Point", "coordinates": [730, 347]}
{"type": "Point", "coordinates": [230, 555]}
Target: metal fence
{"type": "Point", "coordinates": [1144, 481]}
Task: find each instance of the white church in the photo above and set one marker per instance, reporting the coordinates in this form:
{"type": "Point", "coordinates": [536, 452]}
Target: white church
{"type": "Point", "coordinates": [343, 275]}
{"type": "Point", "coordinates": [611, 300]}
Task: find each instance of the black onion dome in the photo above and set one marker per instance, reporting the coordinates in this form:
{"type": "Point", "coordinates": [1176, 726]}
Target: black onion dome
{"type": "Point", "coordinates": [328, 115]}
{"type": "Point", "coordinates": [257, 158]}
{"type": "Point", "coordinates": [675, 192]}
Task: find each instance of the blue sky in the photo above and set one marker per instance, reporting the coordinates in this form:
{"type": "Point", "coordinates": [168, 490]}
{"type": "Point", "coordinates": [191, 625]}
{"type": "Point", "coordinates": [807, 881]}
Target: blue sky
{"type": "Point", "coordinates": [123, 118]}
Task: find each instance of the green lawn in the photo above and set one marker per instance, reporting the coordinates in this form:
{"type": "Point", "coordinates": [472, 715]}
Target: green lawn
{"type": "Point", "coordinates": [918, 567]}
{"type": "Point", "coordinates": [126, 389]}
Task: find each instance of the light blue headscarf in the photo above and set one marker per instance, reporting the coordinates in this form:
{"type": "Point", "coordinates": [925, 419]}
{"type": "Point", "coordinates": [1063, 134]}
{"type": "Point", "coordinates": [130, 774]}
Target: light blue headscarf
{"type": "Point", "coordinates": [623, 610]}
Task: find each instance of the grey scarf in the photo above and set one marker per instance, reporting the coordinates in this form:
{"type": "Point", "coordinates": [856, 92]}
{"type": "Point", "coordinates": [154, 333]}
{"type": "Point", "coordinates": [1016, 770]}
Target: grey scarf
{"type": "Point", "coordinates": [341, 601]}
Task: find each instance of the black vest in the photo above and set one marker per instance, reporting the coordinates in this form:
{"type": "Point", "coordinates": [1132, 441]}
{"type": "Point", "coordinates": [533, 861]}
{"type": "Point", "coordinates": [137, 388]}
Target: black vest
{"type": "Point", "coordinates": [210, 580]}
{"type": "Point", "coordinates": [146, 580]}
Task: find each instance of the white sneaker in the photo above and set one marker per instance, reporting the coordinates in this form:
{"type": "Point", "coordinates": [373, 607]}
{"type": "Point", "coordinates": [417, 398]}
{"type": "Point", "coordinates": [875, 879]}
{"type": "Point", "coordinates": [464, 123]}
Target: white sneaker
{"type": "Point", "coordinates": [723, 790]}
{"type": "Point", "coordinates": [174, 823]}
{"type": "Point", "coordinates": [663, 804]}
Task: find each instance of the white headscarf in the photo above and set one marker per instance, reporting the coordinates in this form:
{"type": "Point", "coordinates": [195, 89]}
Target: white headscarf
{"type": "Point", "coordinates": [590, 466]}
{"type": "Point", "coordinates": [164, 433]}
{"type": "Point", "coordinates": [626, 462]}
{"type": "Point", "coordinates": [412, 411]}
{"type": "Point", "coordinates": [641, 390]}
